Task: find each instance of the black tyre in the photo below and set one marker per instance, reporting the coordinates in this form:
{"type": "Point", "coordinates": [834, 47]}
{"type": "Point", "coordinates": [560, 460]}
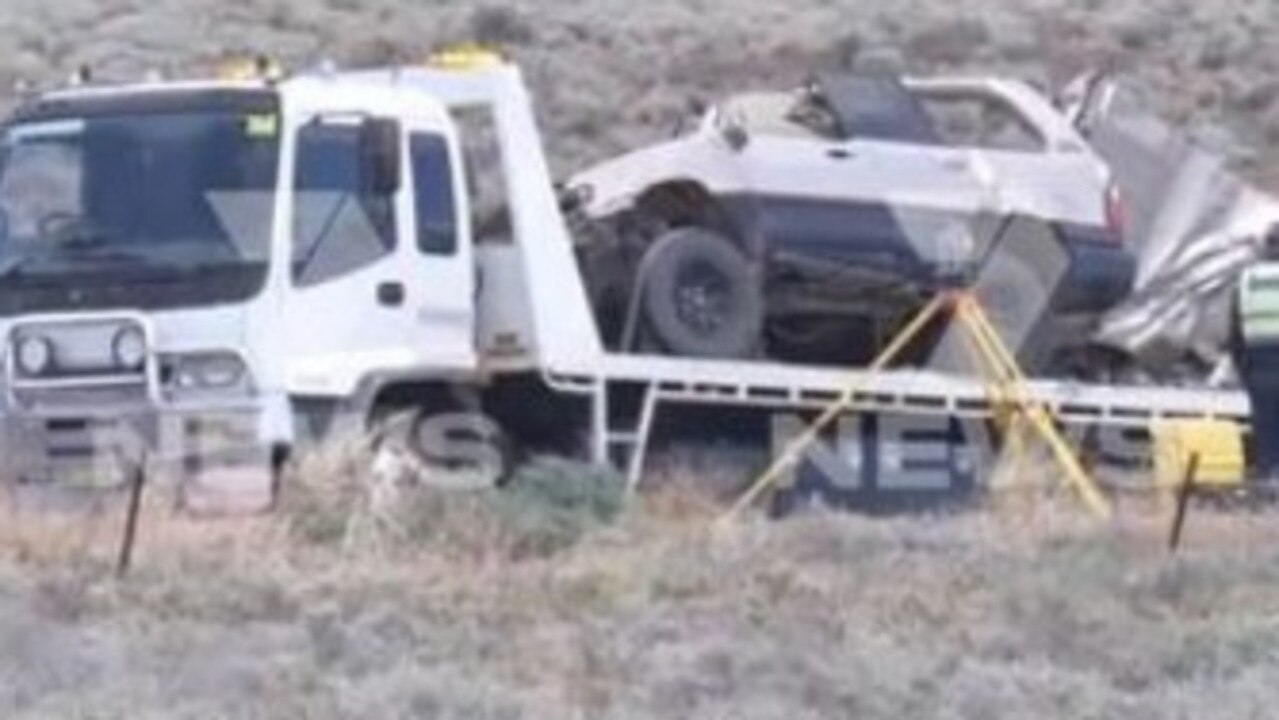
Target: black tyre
{"type": "Point", "coordinates": [701, 297]}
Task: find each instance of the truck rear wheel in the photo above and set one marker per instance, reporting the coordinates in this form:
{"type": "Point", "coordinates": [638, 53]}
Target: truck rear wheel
{"type": "Point", "coordinates": [701, 297]}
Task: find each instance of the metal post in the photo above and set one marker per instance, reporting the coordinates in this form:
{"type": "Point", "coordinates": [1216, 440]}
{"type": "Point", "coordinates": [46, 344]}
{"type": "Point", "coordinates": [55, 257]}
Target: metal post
{"type": "Point", "coordinates": [600, 442]}
{"type": "Point", "coordinates": [639, 445]}
{"type": "Point", "coordinates": [1184, 493]}
{"type": "Point", "coordinates": [131, 521]}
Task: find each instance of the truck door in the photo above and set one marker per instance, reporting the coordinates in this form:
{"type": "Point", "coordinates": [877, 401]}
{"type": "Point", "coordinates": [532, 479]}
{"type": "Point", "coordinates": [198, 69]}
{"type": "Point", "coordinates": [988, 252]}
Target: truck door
{"type": "Point", "coordinates": [444, 293]}
{"type": "Point", "coordinates": [373, 288]}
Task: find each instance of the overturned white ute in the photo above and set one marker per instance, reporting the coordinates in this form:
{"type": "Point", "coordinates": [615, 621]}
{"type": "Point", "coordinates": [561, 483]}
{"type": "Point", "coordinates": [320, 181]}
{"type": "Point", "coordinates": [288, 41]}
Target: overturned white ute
{"type": "Point", "coordinates": [811, 224]}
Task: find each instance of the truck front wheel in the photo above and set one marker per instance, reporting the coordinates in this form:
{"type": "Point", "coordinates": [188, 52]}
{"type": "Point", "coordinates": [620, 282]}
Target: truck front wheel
{"type": "Point", "coordinates": [701, 296]}
{"type": "Point", "coordinates": [446, 436]}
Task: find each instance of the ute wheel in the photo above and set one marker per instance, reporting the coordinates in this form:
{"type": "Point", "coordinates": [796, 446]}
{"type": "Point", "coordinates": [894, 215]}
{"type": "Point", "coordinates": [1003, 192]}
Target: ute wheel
{"type": "Point", "coordinates": [701, 298]}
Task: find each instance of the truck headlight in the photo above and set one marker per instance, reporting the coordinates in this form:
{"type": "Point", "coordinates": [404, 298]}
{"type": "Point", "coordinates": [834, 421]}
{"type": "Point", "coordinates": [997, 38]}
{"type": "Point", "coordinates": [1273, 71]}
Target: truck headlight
{"type": "Point", "coordinates": [129, 348]}
{"type": "Point", "coordinates": [213, 371]}
{"type": "Point", "coordinates": [34, 354]}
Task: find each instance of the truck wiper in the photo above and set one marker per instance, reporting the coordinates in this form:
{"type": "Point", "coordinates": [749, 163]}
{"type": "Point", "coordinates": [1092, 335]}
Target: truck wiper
{"type": "Point", "coordinates": [17, 265]}
{"type": "Point", "coordinates": [90, 245]}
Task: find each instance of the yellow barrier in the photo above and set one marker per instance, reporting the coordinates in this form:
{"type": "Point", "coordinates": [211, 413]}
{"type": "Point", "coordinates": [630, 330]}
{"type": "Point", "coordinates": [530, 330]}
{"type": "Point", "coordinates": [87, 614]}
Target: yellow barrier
{"type": "Point", "coordinates": [1217, 443]}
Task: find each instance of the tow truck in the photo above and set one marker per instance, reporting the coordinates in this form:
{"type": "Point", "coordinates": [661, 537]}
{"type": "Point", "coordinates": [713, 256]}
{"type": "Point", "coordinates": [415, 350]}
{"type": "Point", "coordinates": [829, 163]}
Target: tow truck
{"type": "Point", "coordinates": [257, 257]}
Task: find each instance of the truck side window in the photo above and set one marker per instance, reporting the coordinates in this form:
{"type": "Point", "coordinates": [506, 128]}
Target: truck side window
{"type": "Point", "coordinates": [435, 201]}
{"type": "Point", "coordinates": [339, 224]}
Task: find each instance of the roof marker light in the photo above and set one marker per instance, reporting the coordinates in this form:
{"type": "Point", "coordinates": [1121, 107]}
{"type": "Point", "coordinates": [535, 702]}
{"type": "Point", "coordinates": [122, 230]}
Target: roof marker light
{"type": "Point", "coordinates": [260, 67]}
{"type": "Point", "coordinates": [466, 57]}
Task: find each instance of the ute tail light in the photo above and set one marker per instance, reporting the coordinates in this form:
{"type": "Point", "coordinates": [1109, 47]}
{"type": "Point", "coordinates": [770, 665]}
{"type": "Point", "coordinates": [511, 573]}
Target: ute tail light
{"type": "Point", "coordinates": [1116, 213]}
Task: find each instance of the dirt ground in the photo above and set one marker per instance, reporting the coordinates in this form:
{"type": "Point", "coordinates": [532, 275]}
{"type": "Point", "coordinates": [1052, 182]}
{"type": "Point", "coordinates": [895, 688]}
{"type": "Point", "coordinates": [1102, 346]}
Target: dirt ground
{"type": "Point", "coordinates": [323, 612]}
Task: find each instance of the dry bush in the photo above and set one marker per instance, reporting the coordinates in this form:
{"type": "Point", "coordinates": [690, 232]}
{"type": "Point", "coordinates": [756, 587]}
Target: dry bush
{"type": "Point", "coordinates": [658, 615]}
{"type": "Point", "coordinates": [351, 498]}
{"type": "Point", "coordinates": [500, 26]}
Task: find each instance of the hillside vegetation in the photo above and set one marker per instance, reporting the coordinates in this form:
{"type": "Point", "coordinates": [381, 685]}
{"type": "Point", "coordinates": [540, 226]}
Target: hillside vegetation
{"type": "Point", "coordinates": [610, 74]}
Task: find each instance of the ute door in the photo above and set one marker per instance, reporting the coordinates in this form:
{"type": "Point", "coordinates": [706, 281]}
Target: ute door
{"type": "Point", "coordinates": [817, 194]}
{"type": "Point", "coordinates": [361, 294]}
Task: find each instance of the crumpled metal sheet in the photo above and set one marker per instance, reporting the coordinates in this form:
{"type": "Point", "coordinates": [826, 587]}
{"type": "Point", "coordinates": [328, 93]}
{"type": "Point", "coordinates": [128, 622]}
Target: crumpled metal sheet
{"type": "Point", "coordinates": [1194, 224]}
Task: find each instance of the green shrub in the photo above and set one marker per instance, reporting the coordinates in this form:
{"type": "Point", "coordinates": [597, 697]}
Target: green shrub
{"type": "Point", "coordinates": [552, 503]}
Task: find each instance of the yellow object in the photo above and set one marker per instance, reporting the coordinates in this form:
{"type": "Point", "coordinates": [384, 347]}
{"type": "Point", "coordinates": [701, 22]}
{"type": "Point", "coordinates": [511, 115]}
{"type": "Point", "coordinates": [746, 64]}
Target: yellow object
{"type": "Point", "coordinates": [262, 126]}
{"type": "Point", "coordinates": [1009, 385]}
{"type": "Point", "coordinates": [466, 57]}
{"type": "Point", "coordinates": [250, 68]}
{"type": "Point", "coordinates": [1006, 387]}
{"type": "Point", "coordinates": [1218, 444]}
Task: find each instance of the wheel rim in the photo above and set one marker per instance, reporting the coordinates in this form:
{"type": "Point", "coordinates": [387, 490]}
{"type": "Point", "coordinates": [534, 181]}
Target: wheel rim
{"type": "Point", "coordinates": [703, 297]}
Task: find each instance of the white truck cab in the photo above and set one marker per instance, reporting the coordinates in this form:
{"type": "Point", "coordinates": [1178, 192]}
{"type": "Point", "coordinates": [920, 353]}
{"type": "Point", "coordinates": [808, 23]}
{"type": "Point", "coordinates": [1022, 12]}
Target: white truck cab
{"type": "Point", "coordinates": [174, 253]}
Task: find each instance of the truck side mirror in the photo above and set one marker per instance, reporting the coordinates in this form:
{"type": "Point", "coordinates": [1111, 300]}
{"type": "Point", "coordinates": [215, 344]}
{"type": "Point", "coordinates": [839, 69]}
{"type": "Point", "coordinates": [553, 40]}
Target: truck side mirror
{"type": "Point", "coordinates": [380, 158]}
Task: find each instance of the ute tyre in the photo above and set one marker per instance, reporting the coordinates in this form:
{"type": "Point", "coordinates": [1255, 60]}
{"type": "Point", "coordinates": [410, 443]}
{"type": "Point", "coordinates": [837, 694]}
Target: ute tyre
{"type": "Point", "coordinates": [701, 296]}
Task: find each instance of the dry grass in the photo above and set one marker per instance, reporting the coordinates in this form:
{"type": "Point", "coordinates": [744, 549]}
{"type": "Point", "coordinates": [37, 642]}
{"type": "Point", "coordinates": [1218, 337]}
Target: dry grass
{"type": "Point", "coordinates": [439, 610]}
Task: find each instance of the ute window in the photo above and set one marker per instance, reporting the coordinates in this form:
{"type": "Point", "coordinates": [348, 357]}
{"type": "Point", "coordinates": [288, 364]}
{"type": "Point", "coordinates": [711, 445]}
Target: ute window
{"type": "Point", "coordinates": [982, 122]}
{"type": "Point", "coordinates": [872, 108]}
{"type": "Point", "coordinates": [433, 192]}
{"type": "Point", "coordinates": [339, 224]}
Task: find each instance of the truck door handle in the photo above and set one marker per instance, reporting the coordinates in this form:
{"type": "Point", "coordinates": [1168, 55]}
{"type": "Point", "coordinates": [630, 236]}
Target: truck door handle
{"type": "Point", "coordinates": [390, 294]}
{"type": "Point", "coordinates": [838, 154]}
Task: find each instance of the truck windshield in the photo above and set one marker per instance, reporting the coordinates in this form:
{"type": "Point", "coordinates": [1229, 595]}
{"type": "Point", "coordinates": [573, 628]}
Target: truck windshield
{"type": "Point", "coordinates": [139, 206]}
